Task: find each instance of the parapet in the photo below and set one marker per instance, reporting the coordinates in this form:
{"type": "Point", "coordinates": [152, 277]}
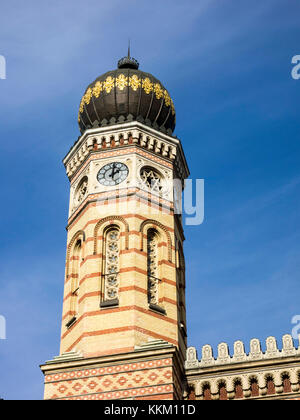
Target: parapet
{"type": "Point", "coordinates": [239, 354]}
{"type": "Point", "coordinates": [273, 374]}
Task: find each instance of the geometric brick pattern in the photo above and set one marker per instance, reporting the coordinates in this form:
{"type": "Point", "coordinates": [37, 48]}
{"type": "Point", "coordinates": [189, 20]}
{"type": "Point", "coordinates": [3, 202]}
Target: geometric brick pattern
{"type": "Point", "coordinates": [152, 379]}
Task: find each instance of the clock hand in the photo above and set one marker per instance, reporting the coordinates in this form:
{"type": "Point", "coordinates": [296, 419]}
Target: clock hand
{"type": "Point", "coordinates": [116, 172]}
{"type": "Point", "coordinates": [113, 171]}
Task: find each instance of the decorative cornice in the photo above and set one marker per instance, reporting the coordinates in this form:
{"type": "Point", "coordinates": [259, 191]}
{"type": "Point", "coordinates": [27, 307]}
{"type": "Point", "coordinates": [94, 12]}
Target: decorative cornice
{"type": "Point", "coordinates": [121, 135]}
{"type": "Point", "coordinates": [237, 373]}
{"type": "Point", "coordinates": [239, 355]}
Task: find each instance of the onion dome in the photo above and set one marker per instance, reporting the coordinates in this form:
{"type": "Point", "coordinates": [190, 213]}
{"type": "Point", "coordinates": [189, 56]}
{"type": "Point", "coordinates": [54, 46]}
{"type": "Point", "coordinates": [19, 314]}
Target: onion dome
{"type": "Point", "coordinates": [127, 94]}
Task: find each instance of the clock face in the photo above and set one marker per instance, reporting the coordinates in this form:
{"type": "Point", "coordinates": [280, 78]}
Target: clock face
{"type": "Point", "coordinates": [112, 173]}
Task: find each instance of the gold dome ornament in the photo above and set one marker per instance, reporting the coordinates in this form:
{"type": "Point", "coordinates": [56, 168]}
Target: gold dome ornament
{"type": "Point", "coordinates": [127, 94]}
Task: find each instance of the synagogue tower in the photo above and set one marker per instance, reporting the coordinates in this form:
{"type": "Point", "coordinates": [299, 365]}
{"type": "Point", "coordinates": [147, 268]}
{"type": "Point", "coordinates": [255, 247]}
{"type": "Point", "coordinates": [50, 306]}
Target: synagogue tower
{"type": "Point", "coordinates": [124, 293]}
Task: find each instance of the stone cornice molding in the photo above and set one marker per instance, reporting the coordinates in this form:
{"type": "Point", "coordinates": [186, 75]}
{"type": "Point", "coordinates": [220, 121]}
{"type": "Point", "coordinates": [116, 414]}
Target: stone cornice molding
{"type": "Point", "coordinates": [114, 137]}
{"type": "Point", "coordinates": [108, 360]}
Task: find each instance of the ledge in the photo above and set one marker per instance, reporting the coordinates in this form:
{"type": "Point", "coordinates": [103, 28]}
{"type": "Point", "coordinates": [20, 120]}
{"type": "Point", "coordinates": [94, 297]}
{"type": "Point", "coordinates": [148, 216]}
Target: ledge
{"type": "Point", "coordinates": [157, 308]}
{"type": "Point", "coordinates": [71, 322]}
{"type": "Point", "coordinates": [109, 303]}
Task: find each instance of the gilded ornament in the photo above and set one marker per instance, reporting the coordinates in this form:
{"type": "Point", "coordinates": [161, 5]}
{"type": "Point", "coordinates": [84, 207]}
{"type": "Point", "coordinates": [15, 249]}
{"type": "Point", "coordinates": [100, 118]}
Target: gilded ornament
{"type": "Point", "coordinates": [97, 89]}
{"type": "Point", "coordinates": [88, 96]}
{"type": "Point", "coordinates": [147, 85]}
{"type": "Point", "coordinates": [121, 81]}
{"type": "Point", "coordinates": [134, 82]}
{"type": "Point", "coordinates": [81, 106]}
{"type": "Point", "coordinates": [167, 98]}
{"type": "Point", "coordinates": [108, 84]}
{"type": "Point", "coordinates": [158, 91]}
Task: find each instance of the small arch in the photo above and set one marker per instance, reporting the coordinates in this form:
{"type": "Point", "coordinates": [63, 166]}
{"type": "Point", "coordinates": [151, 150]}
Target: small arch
{"type": "Point", "coordinates": [78, 235]}
{"type": "Point", "coordinates": [111, 220]}
{"type": "Point", "coordinates": [270, 385]}
{"type": "Point", "coordinates": [238, 389]}
{"type": "Point", "coordinates": [254, 388]}
{"type": "Point", "coordinates": [163, 228]}
{"type": "Point", "coordinates": [206, 391]}
{"type": "Point", "coordinates": [112, 141]}
{"type": "Point", "coordinates": [286, 381]}
{"type": "Point", "coordinates": [81, 190]}
{"type": "Point", "coordinates": [222, 391]}
{"type": "Point", "coordinates": [95, 144]}
{"type": "Point", "coordinates": [191, 393]}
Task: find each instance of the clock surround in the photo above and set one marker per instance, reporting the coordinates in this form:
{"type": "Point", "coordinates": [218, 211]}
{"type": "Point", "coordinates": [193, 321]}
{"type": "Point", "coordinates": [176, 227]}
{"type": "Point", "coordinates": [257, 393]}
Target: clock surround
{"type": "Point", "coordinates": [112, 174]}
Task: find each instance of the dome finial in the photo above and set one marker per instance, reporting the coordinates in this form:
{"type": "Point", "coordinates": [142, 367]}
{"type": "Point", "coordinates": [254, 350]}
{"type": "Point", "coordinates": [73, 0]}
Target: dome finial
{"type": "Point", "coordinates": [128, 62]}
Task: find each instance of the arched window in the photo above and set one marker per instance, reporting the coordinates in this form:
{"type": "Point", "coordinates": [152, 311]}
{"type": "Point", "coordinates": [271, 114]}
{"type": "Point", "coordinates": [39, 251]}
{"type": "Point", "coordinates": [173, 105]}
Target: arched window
{"type": "Point", "coordinates": [110, 275]}
{"type": "Point", "coordinates": [152, 266]}
{"type": "Point", "coordinates": [254, 388]}
{"type": "Point", "coordinates": [153, 258]}
{"type": "Point", "coordinates": [75, 282]}
{"type": "Point", "coordinates": [181, 288]}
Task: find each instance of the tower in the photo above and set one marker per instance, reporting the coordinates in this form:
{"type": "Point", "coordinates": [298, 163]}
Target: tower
{"type": "Point", "coordinates": [123, 331]}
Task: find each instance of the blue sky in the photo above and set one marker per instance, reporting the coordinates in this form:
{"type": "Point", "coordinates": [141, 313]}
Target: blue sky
{"type": "Point", "coordinates": [227, 65]}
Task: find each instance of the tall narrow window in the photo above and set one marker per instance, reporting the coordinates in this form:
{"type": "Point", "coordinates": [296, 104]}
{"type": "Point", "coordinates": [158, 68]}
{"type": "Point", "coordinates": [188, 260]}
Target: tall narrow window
{"type": "Point", "coordinates": [75, 279]}
{"type": "Point", "coordinates": [181, 284]}
{"type": "Point", "coordinates": [152, 251]}
{"type": "Point", "coordinates": [152, 271]}
{"type": "Point", "coordinates": [111, 268]}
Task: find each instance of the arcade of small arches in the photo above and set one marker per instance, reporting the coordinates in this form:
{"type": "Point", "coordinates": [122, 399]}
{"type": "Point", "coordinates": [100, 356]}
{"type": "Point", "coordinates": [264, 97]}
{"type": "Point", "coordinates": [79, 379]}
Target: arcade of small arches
{"type": "Point", "coordinates": [266, 384]}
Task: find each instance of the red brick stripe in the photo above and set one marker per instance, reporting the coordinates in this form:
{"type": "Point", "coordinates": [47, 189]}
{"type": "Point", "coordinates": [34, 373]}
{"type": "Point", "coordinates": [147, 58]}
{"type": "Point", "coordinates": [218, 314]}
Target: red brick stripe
{"type": "Point", "coordinates": [123, 329]}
